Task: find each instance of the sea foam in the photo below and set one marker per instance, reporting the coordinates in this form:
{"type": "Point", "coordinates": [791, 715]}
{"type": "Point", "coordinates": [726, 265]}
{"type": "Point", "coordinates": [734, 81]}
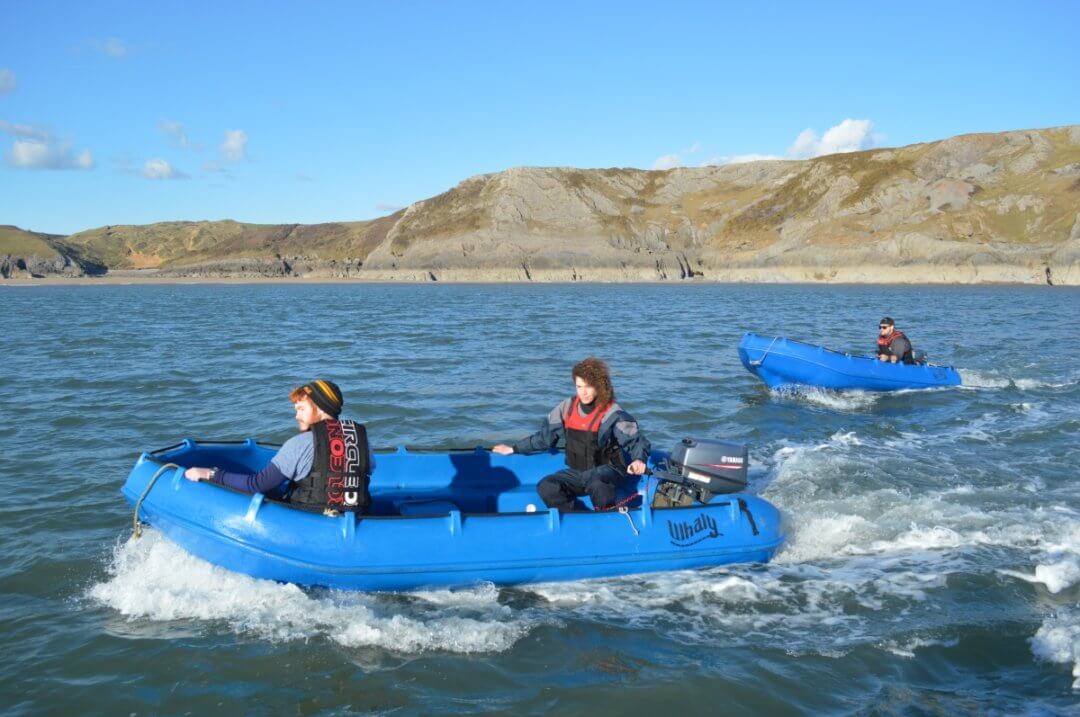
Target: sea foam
{"type": "Point", "coordinates": [153, 579]}
{"type": "Point", "coordinates": [1058, 640]}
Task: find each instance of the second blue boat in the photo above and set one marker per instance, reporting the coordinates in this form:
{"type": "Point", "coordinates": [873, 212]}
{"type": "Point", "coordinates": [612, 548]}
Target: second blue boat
{"type": "Point", "coordinates": [781, 362]}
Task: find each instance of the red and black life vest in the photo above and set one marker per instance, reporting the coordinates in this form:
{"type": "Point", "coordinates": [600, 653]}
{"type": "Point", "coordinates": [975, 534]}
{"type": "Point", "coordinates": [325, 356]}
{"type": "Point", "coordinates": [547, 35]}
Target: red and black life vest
{"type": "Point", "coordinates": [340, 470]}
{"type": "Point", "coordinates": [583, 449]}
{"type": "Point", "coordinates": [884, 346]}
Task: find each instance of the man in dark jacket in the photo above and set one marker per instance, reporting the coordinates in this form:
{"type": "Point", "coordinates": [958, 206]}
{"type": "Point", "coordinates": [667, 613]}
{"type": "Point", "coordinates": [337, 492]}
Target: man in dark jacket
{"type": "Point", "coordinates": [327, 466]}
{"type": "Point", "coordinates": [603, 442]}
{"type": "Point", "coordinates": [892, 345]}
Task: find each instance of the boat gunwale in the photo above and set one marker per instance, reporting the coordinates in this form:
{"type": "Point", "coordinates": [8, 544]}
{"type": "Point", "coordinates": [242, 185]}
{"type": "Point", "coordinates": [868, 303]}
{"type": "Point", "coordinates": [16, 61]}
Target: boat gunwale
{"type": "Point", "coordinates": [132, 495]}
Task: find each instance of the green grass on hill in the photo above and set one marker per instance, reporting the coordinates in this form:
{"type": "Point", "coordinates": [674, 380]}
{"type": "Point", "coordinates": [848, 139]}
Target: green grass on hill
{"type": "Point", "coordinates": [19, 242]}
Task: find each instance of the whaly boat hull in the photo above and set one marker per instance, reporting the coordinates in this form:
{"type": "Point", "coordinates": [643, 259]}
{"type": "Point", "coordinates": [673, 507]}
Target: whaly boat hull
{"type": "Point", "coordinates": [781, 362]}
{"type": "Point", "coordinates": [441, 519]}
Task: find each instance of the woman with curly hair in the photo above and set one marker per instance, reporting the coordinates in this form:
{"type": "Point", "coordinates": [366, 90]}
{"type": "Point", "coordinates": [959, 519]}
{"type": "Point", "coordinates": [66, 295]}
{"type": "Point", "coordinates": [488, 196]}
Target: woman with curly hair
{"type": "Point", "coordinates": [603, 442]}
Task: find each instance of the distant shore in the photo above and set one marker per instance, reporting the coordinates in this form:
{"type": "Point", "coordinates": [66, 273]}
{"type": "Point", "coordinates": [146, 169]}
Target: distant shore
{"type": "Point", "coordinates": [917, 274]}
{"type": "Point", "coordinates": [973, 209]}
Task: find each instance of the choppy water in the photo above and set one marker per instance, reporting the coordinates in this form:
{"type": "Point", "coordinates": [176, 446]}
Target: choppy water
{"type": "Point", "coordinates": [934, 565]}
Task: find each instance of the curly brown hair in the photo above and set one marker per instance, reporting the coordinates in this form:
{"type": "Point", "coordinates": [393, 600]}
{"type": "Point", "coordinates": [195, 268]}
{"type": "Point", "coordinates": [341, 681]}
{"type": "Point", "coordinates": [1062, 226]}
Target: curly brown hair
{"type": "Point", "coordinates": [594, 372]}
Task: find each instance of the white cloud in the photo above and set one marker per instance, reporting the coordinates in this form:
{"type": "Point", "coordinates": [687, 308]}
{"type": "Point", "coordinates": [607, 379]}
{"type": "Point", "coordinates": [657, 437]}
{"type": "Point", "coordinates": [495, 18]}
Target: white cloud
{"type": "Point", "coordinates": [113, 48]}
{"type": "Point", "coordinates": [161, 169]}
{"type": "Point", "coordinates": [26, 131]}
{"type": "Point", "coordinates": [740, 159]}
{"type": "Point", "coordinates": [234, 148]}
{"type": "Point", "coordinates": [388, 208]}
{"type": "Point", "coordinates": [175, 131]}
{"type": "Point", "coordinates": [851, 135]}
{"type": "Point", "coordinates": [744, 158]}
{"type": "Point", "coordinates": [37, 154]}
{"type": "Point", "coordinates": [805, 145]}
{"type": "Point", "coordinates": [7, 80]}
{"type": "Point", "coordinates": [678, 159]}
{"type": "Point", "coordinates": [667, 161]}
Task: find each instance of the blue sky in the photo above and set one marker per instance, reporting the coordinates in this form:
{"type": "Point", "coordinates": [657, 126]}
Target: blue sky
{"type": "Point", "coordinates": [273, 112]}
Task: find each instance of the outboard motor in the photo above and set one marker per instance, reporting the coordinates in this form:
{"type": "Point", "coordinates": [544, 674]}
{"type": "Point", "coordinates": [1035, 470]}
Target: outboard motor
{"type": "Point", "coordinates": [699, 469]}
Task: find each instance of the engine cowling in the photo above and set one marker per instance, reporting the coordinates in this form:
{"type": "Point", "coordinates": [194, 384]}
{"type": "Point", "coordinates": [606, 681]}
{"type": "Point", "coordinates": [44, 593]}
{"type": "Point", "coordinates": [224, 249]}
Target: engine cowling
{"type": "Point", "coordinates": [707, 468]}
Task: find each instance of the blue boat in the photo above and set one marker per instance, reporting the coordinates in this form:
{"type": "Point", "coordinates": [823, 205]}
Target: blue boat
{"type": "Point", "coordinates": [440, 519]}
{"type": "Point", "coordinates": [781, 362]}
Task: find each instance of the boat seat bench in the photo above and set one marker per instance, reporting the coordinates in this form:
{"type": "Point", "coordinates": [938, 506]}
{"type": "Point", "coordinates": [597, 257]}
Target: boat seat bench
{"type": "Point", "coordinates": [513, 500]}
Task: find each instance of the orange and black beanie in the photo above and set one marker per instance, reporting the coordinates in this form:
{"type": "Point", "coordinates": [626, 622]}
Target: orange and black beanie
{"type": "Point", "coordinates": [326, 395]}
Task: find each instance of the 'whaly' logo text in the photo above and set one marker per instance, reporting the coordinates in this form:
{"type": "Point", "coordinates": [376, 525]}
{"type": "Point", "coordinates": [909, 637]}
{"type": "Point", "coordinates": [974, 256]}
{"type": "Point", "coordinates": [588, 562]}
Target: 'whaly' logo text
{"type": "Point", "coordinates": [685, 533]}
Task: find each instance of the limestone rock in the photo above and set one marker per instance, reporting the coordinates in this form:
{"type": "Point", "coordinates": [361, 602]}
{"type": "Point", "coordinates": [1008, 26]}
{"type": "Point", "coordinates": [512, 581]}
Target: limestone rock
{"type": "Point", "coordinates": [27, 267]}
{"type": "Point", "coordinates": [949, 194]}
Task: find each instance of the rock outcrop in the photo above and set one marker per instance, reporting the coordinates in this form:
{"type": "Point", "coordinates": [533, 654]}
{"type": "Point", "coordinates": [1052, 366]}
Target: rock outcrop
{"type": "Point", "coordinates": [30, 255]}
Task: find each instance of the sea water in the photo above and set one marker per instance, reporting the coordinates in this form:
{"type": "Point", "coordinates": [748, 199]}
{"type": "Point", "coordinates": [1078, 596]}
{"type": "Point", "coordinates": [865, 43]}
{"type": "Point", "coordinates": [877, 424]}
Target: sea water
{"type": "Point", "coordinates": [933, 565]}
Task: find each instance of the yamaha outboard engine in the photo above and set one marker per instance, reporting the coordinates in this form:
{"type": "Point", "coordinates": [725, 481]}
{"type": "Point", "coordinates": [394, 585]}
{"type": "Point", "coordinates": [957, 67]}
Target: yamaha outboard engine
{"type": "Point", "coordinates": [700, 469]}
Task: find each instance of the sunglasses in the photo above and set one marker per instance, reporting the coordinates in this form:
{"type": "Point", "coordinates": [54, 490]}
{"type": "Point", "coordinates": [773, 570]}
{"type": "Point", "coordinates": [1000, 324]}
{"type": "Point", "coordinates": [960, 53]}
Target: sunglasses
{"type": "Point", "coordinates": [883, 326]}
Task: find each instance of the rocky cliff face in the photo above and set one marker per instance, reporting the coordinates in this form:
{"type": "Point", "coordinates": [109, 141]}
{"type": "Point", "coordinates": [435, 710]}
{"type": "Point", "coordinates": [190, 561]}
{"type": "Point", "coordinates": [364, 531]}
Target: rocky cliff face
{"type": "Point", "coordinates": [985, 207]}
{"type": "Point", "coordinates": [28, 255]}
{"type": "Point", "coordinates": [33, 266]}
{"type": "Point", "coordinates": [995, 207]}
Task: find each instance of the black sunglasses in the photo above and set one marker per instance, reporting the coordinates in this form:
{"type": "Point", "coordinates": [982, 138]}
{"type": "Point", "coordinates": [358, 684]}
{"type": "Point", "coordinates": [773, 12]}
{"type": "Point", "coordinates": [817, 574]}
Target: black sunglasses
{"type": "Point", "coordinates": [883, 326]}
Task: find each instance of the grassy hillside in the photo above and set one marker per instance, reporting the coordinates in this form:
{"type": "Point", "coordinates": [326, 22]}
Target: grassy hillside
{"type": "Point", "coordinates": [21, 243]}
{"type": "Point", "coordinates": [168, 244]}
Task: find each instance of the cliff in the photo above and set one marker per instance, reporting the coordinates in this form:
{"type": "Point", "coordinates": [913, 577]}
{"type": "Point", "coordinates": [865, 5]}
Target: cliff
{"type": "Point", "coordinates": [28, 255]}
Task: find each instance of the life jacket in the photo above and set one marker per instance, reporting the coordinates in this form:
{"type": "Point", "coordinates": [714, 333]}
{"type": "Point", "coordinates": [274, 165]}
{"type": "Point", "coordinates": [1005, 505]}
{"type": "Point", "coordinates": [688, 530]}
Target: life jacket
{"type": "Point", "coordinates": [884, 346]}
{"type": "Point", "coordinates": [583, 450]}
{"type": "Point", "coordinates": [340, 470]}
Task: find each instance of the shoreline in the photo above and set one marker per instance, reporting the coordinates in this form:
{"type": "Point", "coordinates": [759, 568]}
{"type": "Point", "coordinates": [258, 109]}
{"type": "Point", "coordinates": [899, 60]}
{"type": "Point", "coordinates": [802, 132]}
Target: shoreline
{"type": "Point", "coordinates": [899, 276]}
{"type": "Point", "coordinates": [241, 281]}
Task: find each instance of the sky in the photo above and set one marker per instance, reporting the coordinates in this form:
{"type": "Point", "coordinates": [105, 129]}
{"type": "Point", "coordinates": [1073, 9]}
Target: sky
{"type": "Point", "coordinates": [282, 112]}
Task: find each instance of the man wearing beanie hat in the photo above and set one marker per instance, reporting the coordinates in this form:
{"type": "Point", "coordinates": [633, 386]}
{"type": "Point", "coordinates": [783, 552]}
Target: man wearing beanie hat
{"type": "Point", "coordinates": [326, 468]}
